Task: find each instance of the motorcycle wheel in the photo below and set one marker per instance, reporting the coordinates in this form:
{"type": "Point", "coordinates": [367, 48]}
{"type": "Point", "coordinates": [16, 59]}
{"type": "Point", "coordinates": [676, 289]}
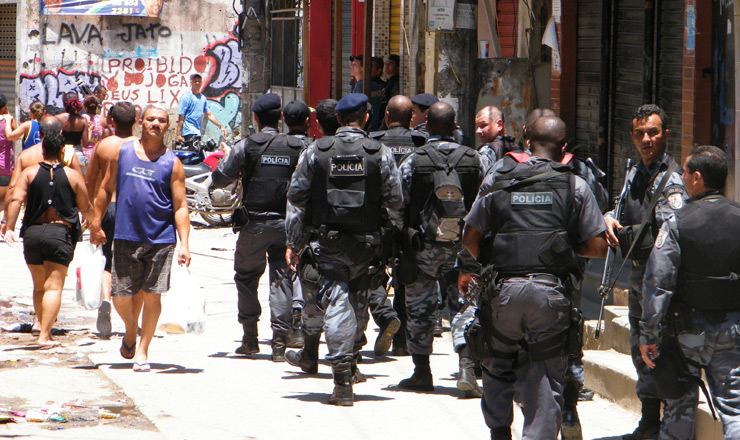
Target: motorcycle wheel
{"type": "Point", "coordinates": [217, 220]}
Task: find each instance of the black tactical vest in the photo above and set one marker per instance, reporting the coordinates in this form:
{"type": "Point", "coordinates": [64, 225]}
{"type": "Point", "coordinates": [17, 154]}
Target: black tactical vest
{"type": "Point", "coordinates": [708, 232]}
{"type": "Point", "coordinates": [422, 184]}
{"type": "Point", "coordinates": [345, 192]}
{"type": "Point", "coordinates": [273, 159]}
{"type": "Point", "coordinates": [534, 221]}
{"type": "Point", "coordinates": [400, 140]}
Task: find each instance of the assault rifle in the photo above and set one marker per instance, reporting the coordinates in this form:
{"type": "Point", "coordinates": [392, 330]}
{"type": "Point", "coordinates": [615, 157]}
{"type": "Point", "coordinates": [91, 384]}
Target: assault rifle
{"type": "Point", "coordinates": [606, 282]}
{"type": "Point", "coordinates": [300, 246]}
{"type": "Point", "coordinates": [477, 287]}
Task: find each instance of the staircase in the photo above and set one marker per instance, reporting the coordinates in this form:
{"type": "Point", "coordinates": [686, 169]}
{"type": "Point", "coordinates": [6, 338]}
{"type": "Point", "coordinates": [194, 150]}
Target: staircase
{"type": "Point", "coordinates": [609, 370]}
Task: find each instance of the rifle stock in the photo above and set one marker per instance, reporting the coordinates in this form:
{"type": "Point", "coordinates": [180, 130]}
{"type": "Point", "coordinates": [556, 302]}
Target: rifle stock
{"type": "Point", "coordinates": [606, 282]}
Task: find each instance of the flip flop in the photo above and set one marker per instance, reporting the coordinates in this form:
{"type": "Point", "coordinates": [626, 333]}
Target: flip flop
{"type": "Point", "coordinates": [142, 368]}
{"type": "Point", "coordinates": [130, 350]}
{"type": "Point", "coordinates": [48, 345]}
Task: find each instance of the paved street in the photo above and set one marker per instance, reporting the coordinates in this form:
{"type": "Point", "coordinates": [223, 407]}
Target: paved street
{"type": "Point", "coordinates": [199, 388]}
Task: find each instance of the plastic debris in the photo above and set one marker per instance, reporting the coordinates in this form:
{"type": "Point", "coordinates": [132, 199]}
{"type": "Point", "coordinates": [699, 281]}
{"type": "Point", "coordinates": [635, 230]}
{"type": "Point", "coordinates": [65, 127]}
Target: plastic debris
{"type": "Point", "coordinates": [36, 415]}
{"type": "Point", "coordinates": [108, 415]}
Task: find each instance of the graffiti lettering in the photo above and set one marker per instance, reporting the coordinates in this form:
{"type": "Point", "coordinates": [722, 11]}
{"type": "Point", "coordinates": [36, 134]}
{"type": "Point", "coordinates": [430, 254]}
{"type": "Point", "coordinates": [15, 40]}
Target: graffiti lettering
{"type": "Point", "coordinates": [227, 60]}
{"type": "Point", "coordinates": [70, 33]}
{"type": "Point", "coordinates": [135, 31]}
{"type": "Point", "coordinates": [49, 87]}
{"type": "Point", "coordinates": [225, 109]}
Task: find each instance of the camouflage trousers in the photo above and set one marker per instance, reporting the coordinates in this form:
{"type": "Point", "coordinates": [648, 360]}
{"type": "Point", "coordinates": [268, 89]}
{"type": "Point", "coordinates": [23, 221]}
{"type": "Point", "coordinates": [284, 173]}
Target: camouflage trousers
{"type": "Point", "coordinates": [645, 388]}
{"type": "Point", "coordinates": [716, 346]}
{"type": "Point", "coordinates": [341, 313]}
{"type": "Point", "coordinates": [423, 296]}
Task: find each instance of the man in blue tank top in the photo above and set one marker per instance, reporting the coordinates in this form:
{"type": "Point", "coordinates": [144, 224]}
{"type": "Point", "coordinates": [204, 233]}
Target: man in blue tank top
{"type": "Point", "coordinates": [147, 215]}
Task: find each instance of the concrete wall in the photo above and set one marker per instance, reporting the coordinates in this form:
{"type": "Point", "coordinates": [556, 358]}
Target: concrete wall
{"type": "Point", "coordinates": [142, 60]}
{"type": "Point", "coordinates": [507, 84]}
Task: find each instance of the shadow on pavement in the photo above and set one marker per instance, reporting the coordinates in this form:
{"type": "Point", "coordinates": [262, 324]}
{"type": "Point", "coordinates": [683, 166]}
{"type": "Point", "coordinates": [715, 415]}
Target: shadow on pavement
{"type": "Point", "coordinates": [302, 375]}
{"type": "Point", "coordinates": [229, 355]}
{"type": "Point", "coordinates": [163, 368]}
{"type": "Point", "coordinates": [324, 397]}
{"type": "Point", "coordinates": [450, 391]}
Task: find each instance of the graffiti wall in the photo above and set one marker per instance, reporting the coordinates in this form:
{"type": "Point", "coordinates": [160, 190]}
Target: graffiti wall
{"type": "Point", "coordinates": [141, 60]}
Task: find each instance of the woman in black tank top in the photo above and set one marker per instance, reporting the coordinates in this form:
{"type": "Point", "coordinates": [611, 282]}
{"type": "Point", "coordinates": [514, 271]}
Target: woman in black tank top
{"type": "Point", "coordinates": [74, 126]}
{"type": "Point", "coordinates": [54, 196]}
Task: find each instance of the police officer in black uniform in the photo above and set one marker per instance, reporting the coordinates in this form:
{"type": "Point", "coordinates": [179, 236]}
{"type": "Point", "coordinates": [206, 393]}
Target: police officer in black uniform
{"type": "Point", "coordinates": [656, 192]}
{"type": "Point", "coordinates": [540, 216]}
{"type": "Point", "coordinates": [440, 181]}
{"type": "Point", "coordinates": [296, 116]}
{"type": "Point", "coordinates": [339, 190]}
{"type": "Point", "coordinates": [692, 285]}
{"type": "Point", "coordinates": [265, 161]}
{"type": "Point", "coordinates": [402, 141]}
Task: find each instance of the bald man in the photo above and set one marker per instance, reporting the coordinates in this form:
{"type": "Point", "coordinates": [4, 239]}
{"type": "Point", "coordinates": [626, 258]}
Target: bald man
{"type": "Point", "coordinates": [538, 227]}
{"type": "Point", "coordinates": [436, 222]}
{"type": "Point", "coordinates": [489, 126]}
{"type": "Point", "coordinates": [402, 141]}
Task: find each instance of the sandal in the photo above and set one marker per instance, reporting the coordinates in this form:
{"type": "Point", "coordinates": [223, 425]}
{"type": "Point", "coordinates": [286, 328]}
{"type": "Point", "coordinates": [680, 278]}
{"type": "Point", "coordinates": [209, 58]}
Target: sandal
{"type": "Point", "coordinates": [130, 349]}
{"type": "Point", "coordinates": [142, 368]}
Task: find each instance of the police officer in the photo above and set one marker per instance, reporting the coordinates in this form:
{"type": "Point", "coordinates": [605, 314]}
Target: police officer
{"type": "Point", "coordinates": [541, 216]}
{"type": "Point", "coordinates": [574, 376]}
{"type": "Point", "coordinates": [265, 162]}
{"type": "Point", "coordinates": [656, 192]}
{"type": "Point", "coordinates": [402, 141]}
{"type": "Point", "coordinates": [338, 191]}
{"type": "Point", "coordinates": [296, 116]}
{"type": "Point", "coordinates": [489, 126]}
{"type": "Point", "coordinates": [692, 280]}
{"type": "Point", "coordinates": [420, 107]}
{"type": "Point", "coordinates": [440, 181]}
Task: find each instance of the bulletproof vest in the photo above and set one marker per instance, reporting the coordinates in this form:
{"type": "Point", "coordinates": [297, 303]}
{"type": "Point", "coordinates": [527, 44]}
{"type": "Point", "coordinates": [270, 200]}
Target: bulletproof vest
{"type": "Point", "coordinates": [505, 144]}
{"type": "Point", "coordinates": [426, 186]}
{"type": "Point", "coordinates": [709, 254]}
{"type": "Point", "coordinates": [534, 219]}
{"type": "Point", "coordinates": [273, 159]}
{"type": "Point", "coordinates": [400, 140]}
{"type": "Point", "coordinates": [345, 192]}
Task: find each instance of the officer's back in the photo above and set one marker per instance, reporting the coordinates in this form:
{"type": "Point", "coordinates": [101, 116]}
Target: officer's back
{"type": "Point", "coordinates": [399, 137]}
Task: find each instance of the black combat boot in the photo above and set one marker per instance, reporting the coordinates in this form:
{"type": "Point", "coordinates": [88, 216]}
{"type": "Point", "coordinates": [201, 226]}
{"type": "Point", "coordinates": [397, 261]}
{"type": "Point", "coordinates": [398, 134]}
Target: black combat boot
{"type": "Point", "coordinates": [570, 428]}
{"type": "Point", "coordinates": [649, 426]}
{"type": "Point", "coordinates": [385, 337]}
{"type": "Point", "coordinates": [296, 337]}
{"type": "Point", "coordinates": [308, 358]}
{"type": "Point", "coordinates": [357, 376]}
{"type": "Point", "coordinates": [278, 347]}
{"type": "Point", "coordinates": [466, 377]}
{"type": "Point", "coordinates": [501, 433]}
{"type": "Point", "coordinates": [342, 394]}
{"type": "Point", "coordinates": [250, 344]}
{"type": "Point", "coordinates": [421, 380]}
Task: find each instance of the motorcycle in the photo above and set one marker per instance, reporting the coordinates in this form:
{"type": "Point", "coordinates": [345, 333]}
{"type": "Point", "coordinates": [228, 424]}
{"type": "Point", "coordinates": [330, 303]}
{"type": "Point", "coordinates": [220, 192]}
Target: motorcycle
{"type": "Point", "coordinates": [215, 205]}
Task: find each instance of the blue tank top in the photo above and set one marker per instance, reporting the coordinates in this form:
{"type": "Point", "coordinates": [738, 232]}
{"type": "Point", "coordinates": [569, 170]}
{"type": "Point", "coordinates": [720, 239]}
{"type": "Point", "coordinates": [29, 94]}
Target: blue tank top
{"type": "Point", "coordinates": [144, 211]}
{"type": "Point", "coordinates": [33, 137]}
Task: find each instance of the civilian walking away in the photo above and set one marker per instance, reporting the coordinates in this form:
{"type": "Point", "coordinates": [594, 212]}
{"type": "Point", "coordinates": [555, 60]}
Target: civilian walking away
{"type": "Point", "coordinates": [28, 130]}
{"type": "Point", "coordinates": [54, 194]}
{"type": "Point", "coordinates": [6, 153]}
{"type": "Point", "coordinates": [147, 215]}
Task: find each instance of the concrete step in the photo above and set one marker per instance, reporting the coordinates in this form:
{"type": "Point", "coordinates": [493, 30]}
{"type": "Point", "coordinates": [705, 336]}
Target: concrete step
{"type": "Point", "coordinates": [615, 331]}
{"type": "Point", "coordinates": [612, 375]}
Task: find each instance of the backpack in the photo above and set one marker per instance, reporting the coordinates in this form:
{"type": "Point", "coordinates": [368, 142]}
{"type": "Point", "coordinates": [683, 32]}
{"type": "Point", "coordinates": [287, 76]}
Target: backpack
{"type": "Point", "coordinates": [444, 210]}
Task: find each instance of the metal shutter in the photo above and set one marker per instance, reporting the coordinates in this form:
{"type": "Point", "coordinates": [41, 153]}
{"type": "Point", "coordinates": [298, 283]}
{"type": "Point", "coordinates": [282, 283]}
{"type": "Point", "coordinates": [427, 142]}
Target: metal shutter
{"type": "Point", "coordinates": [627, 90]}
{"type": "Point", "coordinates": [7, 53]}
{"type": "Point", "coordinates": [588, 74]}
{"type": "Point", "coordinates": [670, 69]}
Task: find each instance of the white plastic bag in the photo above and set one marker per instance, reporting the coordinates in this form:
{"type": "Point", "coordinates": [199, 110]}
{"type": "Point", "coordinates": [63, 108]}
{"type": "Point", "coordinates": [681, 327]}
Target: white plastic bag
{"type": "Point", "coordinates": [90, 265]}
{"type": "Point", "coordinates": [184, 305]}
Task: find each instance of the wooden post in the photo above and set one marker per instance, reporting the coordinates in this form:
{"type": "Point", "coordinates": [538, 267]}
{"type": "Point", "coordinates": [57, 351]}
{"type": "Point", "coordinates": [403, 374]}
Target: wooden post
{"type": "Point", "coordinates": [306, 56]}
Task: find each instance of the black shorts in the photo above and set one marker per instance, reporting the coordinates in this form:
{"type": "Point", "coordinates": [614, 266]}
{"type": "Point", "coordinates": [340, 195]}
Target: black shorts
{"type": "Point", "coordinates": [109, 227]}
{"type": "Point", "coordinates": [4, 181]}
{"type": "Point", "coordinates": [48, 242]}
